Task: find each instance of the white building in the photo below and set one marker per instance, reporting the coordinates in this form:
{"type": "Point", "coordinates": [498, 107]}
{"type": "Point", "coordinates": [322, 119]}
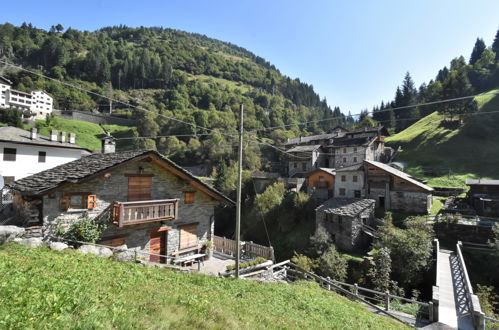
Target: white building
{"type": "Point", "coordinates": [39, 103]}
{"type": "Point", "coordinates": [23, 153]}
{"type": "Point", "coordinates": [349, 182]}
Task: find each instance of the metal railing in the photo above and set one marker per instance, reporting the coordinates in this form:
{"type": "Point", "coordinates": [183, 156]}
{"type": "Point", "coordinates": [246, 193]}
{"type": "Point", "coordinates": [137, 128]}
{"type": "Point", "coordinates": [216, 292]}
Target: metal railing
{"type": "Point", "coordinates": [472, 299]}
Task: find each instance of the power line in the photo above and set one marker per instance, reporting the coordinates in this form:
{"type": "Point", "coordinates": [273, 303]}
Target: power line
{"type": "Point", "coordinates": [378, 111]}
{"type": "Point", "coordinates": [118, 101]}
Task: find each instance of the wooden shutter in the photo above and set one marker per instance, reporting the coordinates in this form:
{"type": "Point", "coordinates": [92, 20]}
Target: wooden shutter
{"type": "Point", "coordinates": [139, 188]}
{"type": "Point", "coordinates": [64, 203]}
{"type": "Point", "coordinates": [188, 236]}
{"type": "Point", "coordinates": [91, 201]}
{"type": "Point", "coordinates": [189, 197]}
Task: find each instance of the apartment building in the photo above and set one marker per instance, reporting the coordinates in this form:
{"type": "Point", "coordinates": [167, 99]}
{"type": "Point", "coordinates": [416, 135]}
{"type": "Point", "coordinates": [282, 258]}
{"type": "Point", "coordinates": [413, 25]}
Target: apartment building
{"type": "Point", "coordinates": [34, 105]}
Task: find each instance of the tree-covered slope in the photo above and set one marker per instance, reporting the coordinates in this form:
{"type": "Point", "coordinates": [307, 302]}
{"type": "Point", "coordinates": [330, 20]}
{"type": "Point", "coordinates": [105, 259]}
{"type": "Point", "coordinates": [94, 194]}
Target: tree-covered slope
{"type": "Point", "coordinates": [44, 289]}
{"type": "Point", "coordinates": [453, 155]}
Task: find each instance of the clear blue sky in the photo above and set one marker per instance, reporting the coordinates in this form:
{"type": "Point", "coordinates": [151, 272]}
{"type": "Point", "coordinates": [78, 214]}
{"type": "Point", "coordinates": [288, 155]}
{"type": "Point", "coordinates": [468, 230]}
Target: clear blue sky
{"type": "Point", "coordinates": [354, 53]}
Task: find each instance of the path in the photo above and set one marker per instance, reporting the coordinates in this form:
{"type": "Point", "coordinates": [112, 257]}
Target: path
{"type": "Point", "coordinates": [453, 309]}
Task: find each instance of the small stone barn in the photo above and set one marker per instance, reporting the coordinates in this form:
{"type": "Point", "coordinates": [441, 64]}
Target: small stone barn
{"type": "Point", "coordinates": [344, 218]}
{"type": "Point", "coordinates": [395, 190]}
{"type": "Point", "coordinates": [147, 201]}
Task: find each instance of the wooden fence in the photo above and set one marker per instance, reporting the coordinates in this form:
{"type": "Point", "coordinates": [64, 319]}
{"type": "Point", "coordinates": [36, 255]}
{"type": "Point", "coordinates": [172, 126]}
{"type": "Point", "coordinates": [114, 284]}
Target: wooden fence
{"type": "Point", "coordinates": [249, 250]}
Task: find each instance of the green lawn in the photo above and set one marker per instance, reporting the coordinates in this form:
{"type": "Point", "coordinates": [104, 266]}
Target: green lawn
{"type": "Point", "coordinates": [88, 134]}
{"type": "Point", "coordinates": [44, 289]}
{"type": "Point", "coordinates": [454, 155]}
{"type": "Point", "coordinates": [438, 203]}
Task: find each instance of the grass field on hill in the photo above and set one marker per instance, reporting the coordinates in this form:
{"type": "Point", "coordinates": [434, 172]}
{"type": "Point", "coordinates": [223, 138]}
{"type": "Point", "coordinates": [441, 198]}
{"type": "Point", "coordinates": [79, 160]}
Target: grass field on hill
{"type": "Point", "coordinates": [454, 155]}
{"type": "Point", "coordinates": [88, 134]}
{"type": "Point", "coordinates": [44, 289]}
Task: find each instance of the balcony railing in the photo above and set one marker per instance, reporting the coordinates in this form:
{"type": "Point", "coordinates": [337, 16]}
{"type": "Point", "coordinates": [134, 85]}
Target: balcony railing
{"type": "Point", "coordinates": [321, 184]}
{"type": "Point", "coordinates": [133, 213]}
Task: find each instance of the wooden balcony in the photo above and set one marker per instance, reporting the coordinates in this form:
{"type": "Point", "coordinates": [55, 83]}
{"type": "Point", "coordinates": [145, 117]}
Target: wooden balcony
{"type": "Point", "coordinates": [321, 184]}
{"type": "Point", "coordinates": [134, 213]}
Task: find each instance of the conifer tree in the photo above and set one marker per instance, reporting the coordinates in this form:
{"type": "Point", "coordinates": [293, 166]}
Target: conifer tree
{"type": "Point", "coordinates": [477, 50]}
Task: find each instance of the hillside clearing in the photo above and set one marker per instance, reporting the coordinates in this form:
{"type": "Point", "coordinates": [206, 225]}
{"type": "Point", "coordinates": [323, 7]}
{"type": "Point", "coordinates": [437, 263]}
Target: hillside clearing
{"type": "Point", "coordinates": [46, 289]}
{"type": "Point", "coordinates": [453, 155]}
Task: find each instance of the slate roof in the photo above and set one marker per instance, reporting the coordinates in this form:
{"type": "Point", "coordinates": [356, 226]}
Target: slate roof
{"type": "Point", "coordinates": [305, 148]}
{"type": "Point", "coordinates": [77, 170]}
{"type": "Point", "coordinates": [475, 182]}
{"type": "Point", "coordinates": [399, 174]}
{"type": "Point", "coordinates": [348, 142]}
{"type": "Point", "coordinates": [17, 135]}
{"type": "Point", "coordinates": [350, 207]}
{"type": "Point", "coordinates": [305, 139]}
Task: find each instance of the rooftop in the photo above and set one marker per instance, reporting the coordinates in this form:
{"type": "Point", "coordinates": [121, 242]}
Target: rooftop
{"type": "Point", "coordinates": [306, 148]}
{"type": "Point", "coordinates": [475, 182]}
{"type": "Point", "coordinates": [346, 206]}
{"type": "Point", "coordinates": [400, 174]}
{"type": "Point", "coordinates": [88, 166]}
{"type": "Point", "coordinates": [347, 142]}
{"type": "Point", "coordinates": [330, 171]}
{"type": "Point", "coordinates": [305, 139]}
{"type": "Point", "coordinates": [356, 167]}
{"type": "Point", "coordinates": [18, 135]}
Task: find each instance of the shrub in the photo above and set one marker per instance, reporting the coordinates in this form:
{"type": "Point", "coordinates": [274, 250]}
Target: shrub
{"type": "Point", "coordinates": [332, 264]}
{"type": "Point", "coordinates": [85, 230]}
{"type": "Point", "coordinates": [242, 265]}
{"type": "Point", "coordinates": [320, 241]}
{"type": "Point", "coordinates": [304, 262]}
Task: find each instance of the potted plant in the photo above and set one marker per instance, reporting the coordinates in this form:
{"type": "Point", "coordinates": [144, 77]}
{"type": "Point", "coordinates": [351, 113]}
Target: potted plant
{"type": "Point", "coordinates": [208, 249]}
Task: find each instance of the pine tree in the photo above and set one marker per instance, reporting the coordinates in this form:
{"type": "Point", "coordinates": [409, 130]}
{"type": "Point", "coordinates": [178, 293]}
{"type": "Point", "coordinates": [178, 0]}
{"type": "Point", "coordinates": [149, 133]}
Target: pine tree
{"type": "Point", "coordinates": [495, 45]}
{"type": "Point", "coordinates": [477, 50]}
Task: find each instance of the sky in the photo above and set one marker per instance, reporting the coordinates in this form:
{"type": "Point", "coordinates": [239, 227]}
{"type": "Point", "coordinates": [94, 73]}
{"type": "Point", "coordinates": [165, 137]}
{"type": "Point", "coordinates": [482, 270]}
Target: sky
{"type": "Point", "coordinates": [354, 53]}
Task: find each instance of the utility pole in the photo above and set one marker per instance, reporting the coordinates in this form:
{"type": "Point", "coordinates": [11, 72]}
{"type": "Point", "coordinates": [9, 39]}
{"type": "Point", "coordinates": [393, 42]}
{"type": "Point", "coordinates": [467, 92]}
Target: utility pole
{"type": "Point", "coordinates": [239, 183]}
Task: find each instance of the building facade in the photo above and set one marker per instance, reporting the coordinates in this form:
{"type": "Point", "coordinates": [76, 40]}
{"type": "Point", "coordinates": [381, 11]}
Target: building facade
{"type": "Point", "coordinates": [34, 105]}
{"type": "Point", "coordinates": [320, 183]}
{"type": "Point", "coordinates": [344, 219]}
{"type": "Point", "coordinates": [483, 195]}
{"type": "Point", "coordinates": [23, 153]}
{"type": "Point", "coordinates": [350, 182]}
{"type": "Point", "coordinates": [147, 202]}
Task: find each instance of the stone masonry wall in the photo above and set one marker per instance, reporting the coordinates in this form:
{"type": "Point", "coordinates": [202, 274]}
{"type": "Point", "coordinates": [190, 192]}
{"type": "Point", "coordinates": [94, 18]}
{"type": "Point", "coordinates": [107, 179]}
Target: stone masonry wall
{"type": "Point", "coordinates": [115, 188]}
{"type": "Point", "coordinates": [410, 201]}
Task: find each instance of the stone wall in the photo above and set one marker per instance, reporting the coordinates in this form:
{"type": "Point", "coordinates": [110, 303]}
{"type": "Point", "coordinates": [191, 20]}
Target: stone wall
{"type": "Point", "coordinates": [410, 201]}
{"type": "Point", "coordinates": [113, 186]}
{"type": "Point", "coordinates": [93, 117]}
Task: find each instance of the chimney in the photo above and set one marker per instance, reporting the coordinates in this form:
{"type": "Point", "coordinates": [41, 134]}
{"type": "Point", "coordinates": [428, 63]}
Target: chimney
{"type": "Point", "coordinates": [33, 134]}
{"type": "Point", "coordinates": [53, 135]}
{"type": "Point", "coordinates": [108, 144]}
{"type": "Point", "coordinates": [72, 138]}
{"type": "Point", "coordinates": [63, 137]}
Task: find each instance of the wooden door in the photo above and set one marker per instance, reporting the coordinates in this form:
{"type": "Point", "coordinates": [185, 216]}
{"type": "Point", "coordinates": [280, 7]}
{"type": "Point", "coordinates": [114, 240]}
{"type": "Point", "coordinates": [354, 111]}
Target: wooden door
{"type": "Point", "coordinates": [157, 245]}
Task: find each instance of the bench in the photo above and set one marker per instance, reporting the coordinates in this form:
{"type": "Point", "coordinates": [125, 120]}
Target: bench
{"type": "Point", "coordinates": [196, 248]}
{"type": "Point", "coordinates": [198, 257]}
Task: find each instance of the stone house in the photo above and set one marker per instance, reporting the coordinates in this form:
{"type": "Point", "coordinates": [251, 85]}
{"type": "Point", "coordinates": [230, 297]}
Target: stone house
{"type": "Point", "coordinates": [350, 182]}
{"type": "Point", "coordinates": [320, 183]}
{"type": "Point", "coordinates": [304, 159]}
{"type": "Point", "coordinates": [344, 219]}
{"type": "Point", "coordinates": [396, 190]}
{"type": "Point", "coordinates": [483, 195]}
{"type": "Point", "coordinates": [147, 201]}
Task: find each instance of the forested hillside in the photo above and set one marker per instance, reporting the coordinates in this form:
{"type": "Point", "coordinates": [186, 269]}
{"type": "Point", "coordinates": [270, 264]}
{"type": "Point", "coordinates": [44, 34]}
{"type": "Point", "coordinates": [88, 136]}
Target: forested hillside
{"type": "Point", "coordinates": [173, 74]}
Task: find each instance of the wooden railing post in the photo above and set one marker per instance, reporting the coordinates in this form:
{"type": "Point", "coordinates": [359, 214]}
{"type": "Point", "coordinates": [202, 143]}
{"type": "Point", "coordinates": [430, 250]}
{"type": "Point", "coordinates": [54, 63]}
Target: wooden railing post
{"type": "Point", "coordinates": [387, 300]}
{"type": "Point", "coordinates": [356, 289]}
{"type": "Point", "coordinates": [329, 283]}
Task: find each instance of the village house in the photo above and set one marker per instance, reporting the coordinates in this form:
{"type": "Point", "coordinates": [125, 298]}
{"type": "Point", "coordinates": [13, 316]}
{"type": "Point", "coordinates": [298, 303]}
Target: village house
{"type": "Point", "coordinates": [349, 182]}
{"type": "Point", "coordinates": [34, 105]}
{"type": "Point", "coordinates": [320, 183]}
{"type": "Point", "coordinates": [483, 195]}
{"type": "Point", "coordinates": [395, 190]}
{"type": "Point", "coordinates": [148, 202]}
{"type": "Point", "coordinates": [23, 153]}
{"type": "Point", "coordinates": [304, 159]}
{"type": "Point", "coordinates": [345, 219]}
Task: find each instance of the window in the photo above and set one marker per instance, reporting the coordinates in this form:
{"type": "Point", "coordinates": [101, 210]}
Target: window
{"type": "Point", "coordinates": [304, 166]}
{"type": "Point", "coordinates": [295, 165]}
{"type": "Point", "coordinates": [356, 193]}
{"type": "Point", "coordinates": [355, 149]}
{"type": "Point", "coordinates": [342, 192]}
{"type": "Point", "coordinates": [355, 159]}
{"type": "Point", "coordinates": [9, 154]}
{"type": "Point", "coordinates": [188, 236]}
{"type": "Point", "coordinates": [343, 178]}
{"type": "Point", "coordinates": [139, 187]}
{"type": "Point", "coordinates": [189, 197]}
{"type": "Point", "coordinates": [344, 150]}
{"type": "Point", "coordinates": [78, 200]}
{"type": "Point", "coordinates": [321, 178]}
{"type": "Point", "coordinates": [355, 178]}
{"type": "Point", "coordinates": [42, 156]}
